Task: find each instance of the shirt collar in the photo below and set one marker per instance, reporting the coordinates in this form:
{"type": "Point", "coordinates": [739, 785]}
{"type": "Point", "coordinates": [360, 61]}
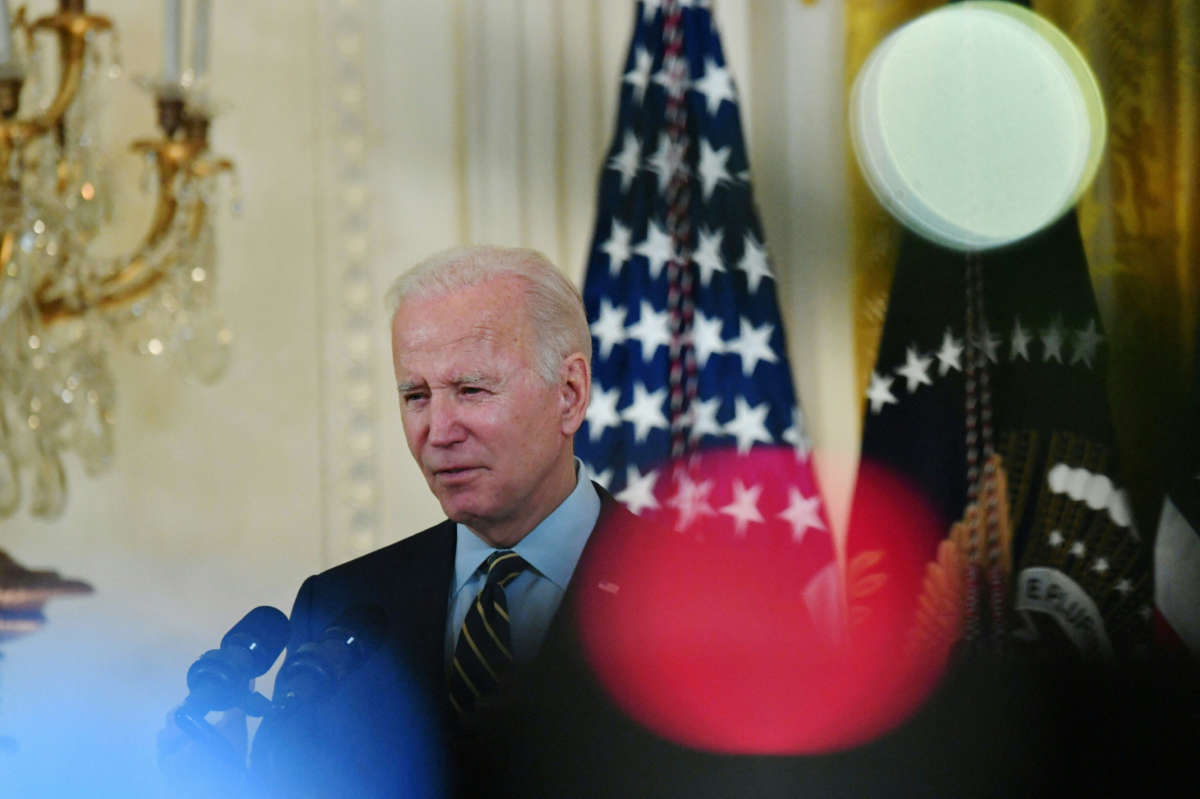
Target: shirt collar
{"type": "Point", "coordinates": [552, 547]}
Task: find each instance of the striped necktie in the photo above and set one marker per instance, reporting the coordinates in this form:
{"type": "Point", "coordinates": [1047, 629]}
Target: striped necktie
{"type": "Point", "coordinates": [484, 649]}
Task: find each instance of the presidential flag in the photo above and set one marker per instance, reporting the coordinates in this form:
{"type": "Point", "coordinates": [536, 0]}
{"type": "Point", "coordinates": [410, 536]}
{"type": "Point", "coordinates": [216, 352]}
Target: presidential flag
{"type": "Point", "coordinates": [681, 298]}
{"type": "Point", "coordinates": [987, 400]}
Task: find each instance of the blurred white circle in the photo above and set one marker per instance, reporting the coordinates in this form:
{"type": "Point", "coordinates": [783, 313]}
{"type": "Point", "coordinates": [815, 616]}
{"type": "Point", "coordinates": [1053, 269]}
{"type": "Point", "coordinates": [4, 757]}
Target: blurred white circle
{"type": "Point", "coordinates": [977, 124]}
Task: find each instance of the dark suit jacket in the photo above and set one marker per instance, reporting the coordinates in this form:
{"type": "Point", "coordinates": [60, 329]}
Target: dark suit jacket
{"type": "Point", "coordinates": [388, 729]}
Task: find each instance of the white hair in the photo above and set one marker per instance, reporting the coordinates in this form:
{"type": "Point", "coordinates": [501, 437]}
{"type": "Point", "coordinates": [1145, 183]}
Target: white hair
{"type": "Point", "coordinates": [554, 307]}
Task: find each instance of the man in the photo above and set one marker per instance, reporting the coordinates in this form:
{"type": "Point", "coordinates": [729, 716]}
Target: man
{"type": "Point", "coordinates": [491, 351]}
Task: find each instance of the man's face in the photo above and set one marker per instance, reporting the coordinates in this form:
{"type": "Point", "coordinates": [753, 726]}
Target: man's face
{"type": "Point", "coordinates": [490, 435]}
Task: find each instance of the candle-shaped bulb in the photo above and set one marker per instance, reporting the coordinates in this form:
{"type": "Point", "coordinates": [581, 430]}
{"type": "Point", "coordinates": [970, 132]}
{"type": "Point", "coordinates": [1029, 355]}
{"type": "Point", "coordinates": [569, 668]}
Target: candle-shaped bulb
{"type": "Point", "coordinates": [171, 34]}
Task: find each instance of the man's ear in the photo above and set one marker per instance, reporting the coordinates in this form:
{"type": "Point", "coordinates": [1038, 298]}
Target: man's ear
{"type": "Point", "coordinates": [575, 386]}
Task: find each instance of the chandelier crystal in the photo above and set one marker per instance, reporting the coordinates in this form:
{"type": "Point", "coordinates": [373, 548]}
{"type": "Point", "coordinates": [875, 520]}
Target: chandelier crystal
{"type": "Point", "coordinates": [63, 309]}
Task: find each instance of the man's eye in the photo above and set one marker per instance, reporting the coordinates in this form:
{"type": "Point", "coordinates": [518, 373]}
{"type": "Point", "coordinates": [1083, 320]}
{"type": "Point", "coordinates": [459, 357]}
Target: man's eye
{"type": "Point", "coordinates": [471, 390]}
{"type": "Point", "coordinates": [412, 397]}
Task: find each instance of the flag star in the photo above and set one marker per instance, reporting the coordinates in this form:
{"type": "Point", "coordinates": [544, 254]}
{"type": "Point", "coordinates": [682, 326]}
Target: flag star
{"type": "Point", "coordinates": [602, 411]}
{"type": "Point", "coordinates": [616, 247]}
{"type": "Point", "coordinates": [1052, 342]}
{"type": "Point", "coordinates": [665, 160]}
{"type": "Point", "coordinates": [690, 501]}
{"type": "Point", "coordinates": [752, 345]}
{"type": "Point", "coordinates": [656, 247]}
{"type": "Point", "coordinates": [652, 330]}
{"type": "Point", "coordinates": [1077, 549]}
{"type": "Point", "coordinates": [915, 370]}
{"type": "Point", "coordinates": [604, 478]}
{"type": "Point", "coordinates": [712, 167]}
{"type": "Point", "coordinates": [638, 493]}
{"type": "Point", "coordinates": [1087, 341]}
{"type": "Point", "coordinates": [673, 81]}
{"type": "Point", "coordinates": [708, 255]}
{"type": "Point", "coordinates": [1145, 612]}
{"type": "Point", "coordinates": [748, 424]}
{"type": "Point", "coordinates": [639, 75]}
{"type": "Point", "coordinates": [609, 328]}
{"type": "Point", "coordinates": [1100, 566]}
{"type": "Point", "coordinates": [744, 508]}
{"type": "Point", "coordinates": [626, 161]}
{"type": "Point", "coordinates": [716, 85]}
{"type": "Point", "coordinates": [645, 412]}
{"type": "Point", "coordinates": [1124, 586]}
{"type": "Point", "coordinates": [880, 392]}
{"type": "Point", "coordinates": [649, 9]}
{"type": "Point", "coordinates": [950, 355]}
{"type": "Point", "coordinates": [702, 415]}
{"type": "Point", "coordinates": [988, 345]}
{"type": "Point", "coordinates": [802, 513]}
{"type": "Point", "coordinates": [797, 434]}
{"type": "Point", "coordinates": [1056, 539]}
{"type": "Point", "coordinates": [1020, 341]}
{"type": "Point", "coordinates": [754, 262]}
{"type": "Point", "coordinates": [706, 337]}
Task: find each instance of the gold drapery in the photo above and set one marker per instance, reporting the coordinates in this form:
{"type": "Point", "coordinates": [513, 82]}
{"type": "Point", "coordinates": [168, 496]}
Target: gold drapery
{"type": "Point", "coordinates": [1140, 220]}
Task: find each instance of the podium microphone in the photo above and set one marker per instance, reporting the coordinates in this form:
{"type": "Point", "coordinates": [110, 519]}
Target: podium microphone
{"type": "Point", "coordinates": [220, 678]}
{"type": "Point", "coordinates": [312, 671]}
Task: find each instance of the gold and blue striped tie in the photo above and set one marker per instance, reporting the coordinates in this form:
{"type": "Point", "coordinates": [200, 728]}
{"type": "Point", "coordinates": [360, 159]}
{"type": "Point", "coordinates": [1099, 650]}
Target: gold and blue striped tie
{"type": "Point", "coordinates": [484, 649]}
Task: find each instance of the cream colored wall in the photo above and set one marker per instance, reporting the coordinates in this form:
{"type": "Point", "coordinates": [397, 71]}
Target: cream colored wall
{"type": "Point", "coordinates": [367, 134]}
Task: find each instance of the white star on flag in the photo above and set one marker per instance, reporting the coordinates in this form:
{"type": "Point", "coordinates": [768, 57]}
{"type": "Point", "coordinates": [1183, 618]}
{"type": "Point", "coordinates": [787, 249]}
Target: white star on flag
{"type": "Point", "coordinates": [880, 392]}
{"type": "Point", "coordinates": [690, 501]}
{"type": "Point", "coordinates": [616, 247]}
{"type": "Point", "coordinates": [712, 167]}
{"type": "Point", "coordinates": [609, 328]}
{"type": "Point", "coordinates": [716, 85]}
{"type": "Point", "coordinates": [1056, 539]}
{"type": "Point", "coordinates": [652, 330]}
{"type": "Point", "coordinates": [649, 9]}
{"type": "Point", "coordinates": [626, 161]}
{"type": "Point", "coordinates": [604, 478]}
{"type": "Point", "coordinates": [754, 262]}
{"type": "Point", "coordinates": [1100, 566]}
{"type": "Point", "coordinates": [1087, 341]}
{"type": "Point", "coordinates": [1078, 549]}
{"type": "Point", "coordinates": [664, 161]}
{"type": "Point", "coordinates": [639, 75]}
{"type": "Point", "coordinates": [797, 435]}
{"type": "Point", "coordinates": [672, 83]}
{"type": "Point", "coordinates": [706, 337]}
{"type": "Point", "coordinates": [752, 345]}
{"type": "Point", "coordinates": [802, 513]}
{"type": "Point", "coordinates": [602, 411]}
{"type": "Point", "coordinates": [915, 370]}
{"type": "Point", "coordinates": [702, 417]}
{"type": "Point", "coordinates": [949, 355]}
{"type": "Point", "coordinates": [744, 508]}
{"type": "Point", "coordinates": [707, 255]}
{"type": "Point", "coordinates": [645, 412]}
{"type": "Point", "coordinates": [656, 247]}
{"type": "Point", "coordinates": [1020, 341]}
{"type": "Point", "coordinates": [748, 424]}
{"type": "Point", "coordinates": [988, 345]}
{"type": "Point", "coordinates": [1052, 342]}
{"type": "Point", "coordinates": [638, 494]}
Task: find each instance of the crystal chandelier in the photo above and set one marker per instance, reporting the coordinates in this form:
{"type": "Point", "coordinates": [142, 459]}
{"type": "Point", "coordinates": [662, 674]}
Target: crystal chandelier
{"type": "Point", "coordinates": [62, 308]}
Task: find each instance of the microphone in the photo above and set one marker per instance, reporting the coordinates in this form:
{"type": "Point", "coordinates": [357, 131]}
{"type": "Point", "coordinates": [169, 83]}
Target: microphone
{"type": "Point", "coordinates": [220, 678]}
{"type": "Point", "coordinates": [312, 671]}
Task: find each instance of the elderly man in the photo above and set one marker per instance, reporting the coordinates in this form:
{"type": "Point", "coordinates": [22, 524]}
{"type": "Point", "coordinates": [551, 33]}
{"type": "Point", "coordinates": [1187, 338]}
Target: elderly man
{"type": "Point", "coordinates": [491, 350]}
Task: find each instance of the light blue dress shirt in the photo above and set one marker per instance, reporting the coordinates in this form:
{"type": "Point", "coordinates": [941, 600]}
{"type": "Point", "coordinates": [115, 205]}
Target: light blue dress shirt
{"type": "Point", "coordinates": [552, 549]}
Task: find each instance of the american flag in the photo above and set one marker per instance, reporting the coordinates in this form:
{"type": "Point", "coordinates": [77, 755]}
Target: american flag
{"type": "Point", "coordinates": [680, 295]}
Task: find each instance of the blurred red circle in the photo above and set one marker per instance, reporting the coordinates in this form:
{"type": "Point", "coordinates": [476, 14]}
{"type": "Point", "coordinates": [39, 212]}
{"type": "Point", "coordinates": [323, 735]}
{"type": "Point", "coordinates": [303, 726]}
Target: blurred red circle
{"type": "Point", "coordinates": [732, 641]}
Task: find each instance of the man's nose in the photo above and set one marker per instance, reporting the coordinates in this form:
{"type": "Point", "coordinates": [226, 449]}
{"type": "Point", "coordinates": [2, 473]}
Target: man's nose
{"type": "Point", "coordinates": [445, 427]}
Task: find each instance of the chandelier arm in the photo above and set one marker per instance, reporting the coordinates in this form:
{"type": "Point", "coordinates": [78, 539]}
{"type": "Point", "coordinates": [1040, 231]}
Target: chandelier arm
{"type": "Point", "coordinates": [136, 274]}
{"type": "Point", "coordinates": [72, 29]}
